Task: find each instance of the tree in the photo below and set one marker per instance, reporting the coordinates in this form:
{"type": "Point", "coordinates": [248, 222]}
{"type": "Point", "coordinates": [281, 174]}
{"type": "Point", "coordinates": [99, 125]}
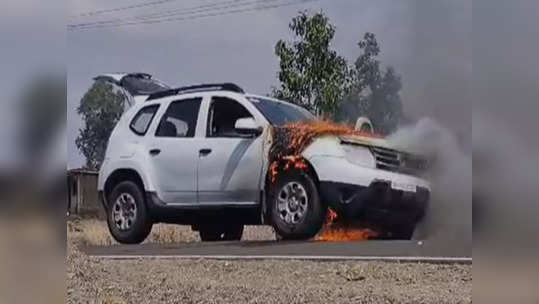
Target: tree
{"type": "Point", "coordinates": [101, 108]}
{"type": "Point", "coordinates": [385, 102]}
{"type": "Point", "coordinates": [374, 93]}
{"type": "Point", "coordinates": [312, 75]}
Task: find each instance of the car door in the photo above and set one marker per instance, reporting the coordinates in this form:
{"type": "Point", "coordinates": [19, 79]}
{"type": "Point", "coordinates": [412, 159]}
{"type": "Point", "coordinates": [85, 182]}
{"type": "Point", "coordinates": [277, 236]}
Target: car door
{"type": "Point", "coordinates": [174, 151]}
{"type": "Point", "coordinates": [230, 165]}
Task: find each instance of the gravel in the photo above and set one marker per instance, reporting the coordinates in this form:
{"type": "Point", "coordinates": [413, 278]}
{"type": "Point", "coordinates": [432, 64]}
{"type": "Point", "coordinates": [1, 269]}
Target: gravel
{"type": "Point", "coordinates": [209, 281]}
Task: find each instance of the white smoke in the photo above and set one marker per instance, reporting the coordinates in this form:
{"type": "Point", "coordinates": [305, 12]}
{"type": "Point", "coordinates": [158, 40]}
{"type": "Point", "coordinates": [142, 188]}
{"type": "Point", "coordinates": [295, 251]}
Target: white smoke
{"type": "Point", "coordinates": [449, 218]}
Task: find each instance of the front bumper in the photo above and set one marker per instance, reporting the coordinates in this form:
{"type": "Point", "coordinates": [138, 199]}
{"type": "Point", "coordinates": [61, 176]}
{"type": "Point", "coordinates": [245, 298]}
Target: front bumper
{"type": "Point", "coordinates": [379, 202]}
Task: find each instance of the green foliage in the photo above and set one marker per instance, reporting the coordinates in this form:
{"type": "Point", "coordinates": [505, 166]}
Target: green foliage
{"type": "Point", "coordinates": [311, 73]}
{"type": "Point", "coordinates": [375, 92]}
{"type": "Point", "coordinates": [314, 76]}
{"type": "Point", "coordinates": [101, 108]}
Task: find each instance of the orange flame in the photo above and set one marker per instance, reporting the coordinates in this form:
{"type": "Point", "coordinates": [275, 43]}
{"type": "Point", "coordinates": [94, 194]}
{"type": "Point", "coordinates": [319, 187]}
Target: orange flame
{"type": "Point", "coordinates": [290, 140]}
{"type": "Point", "coordinates": [332, 232]}
{"type": "Point", "coordinates": [345, 235]}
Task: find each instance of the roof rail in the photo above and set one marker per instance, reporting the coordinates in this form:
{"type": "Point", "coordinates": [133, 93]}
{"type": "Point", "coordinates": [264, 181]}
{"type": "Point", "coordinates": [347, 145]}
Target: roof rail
{"type": "Point", "coordinates": [197, 88]}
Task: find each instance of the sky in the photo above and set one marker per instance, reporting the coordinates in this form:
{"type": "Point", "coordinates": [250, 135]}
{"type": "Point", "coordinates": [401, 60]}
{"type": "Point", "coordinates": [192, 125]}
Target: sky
{"type": "Point", "coordinates": [33, 46]}
{"type": "Point", "coordinates": [428, 43]}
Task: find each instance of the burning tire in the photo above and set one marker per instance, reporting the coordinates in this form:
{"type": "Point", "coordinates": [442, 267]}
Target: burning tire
{"type": "Point", "coordinates": [295, 208]}
{"type": "Point", "coordinates": [213, 233]}
{"type": "Point", "coordinates": [127, 217]}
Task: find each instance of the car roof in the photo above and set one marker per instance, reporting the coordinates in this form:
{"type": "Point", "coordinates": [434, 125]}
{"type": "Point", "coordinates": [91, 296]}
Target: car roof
{"type": "Point", "coordinates": [201, 88]}
{"type": "Point", "coordinates": [167, 96]}
{"type": "Point", "coordinates": [209, 89]}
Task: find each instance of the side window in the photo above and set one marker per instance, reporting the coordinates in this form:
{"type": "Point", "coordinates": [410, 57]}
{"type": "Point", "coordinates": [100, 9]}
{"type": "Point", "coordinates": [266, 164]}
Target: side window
{"type": "Point", "coordinates": [180, 120]}
{"type": "Point", "coordinates": [223, 115]}
{"type": "Point", "coordinates": [143, 119]}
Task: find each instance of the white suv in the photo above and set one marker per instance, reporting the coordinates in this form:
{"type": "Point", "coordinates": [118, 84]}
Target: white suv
{"type": "Point", "coordinates": [199, 156]}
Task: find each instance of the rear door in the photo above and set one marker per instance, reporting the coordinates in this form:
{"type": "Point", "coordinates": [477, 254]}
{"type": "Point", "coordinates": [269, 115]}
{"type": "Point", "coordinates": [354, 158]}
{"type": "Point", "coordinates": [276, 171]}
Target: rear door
{"type": "Point", "coordinates": [230, 165]}
{"type": "Point", "coordinates": [174, 151]}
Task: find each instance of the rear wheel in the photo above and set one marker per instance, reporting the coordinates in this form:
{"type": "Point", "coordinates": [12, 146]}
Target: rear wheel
{"type": "Point", "coordinates": [127, 217]}
{"type": "Point", "coordinates": [227, 232]}
{"type": "Point", "coordinates": [295, 208]}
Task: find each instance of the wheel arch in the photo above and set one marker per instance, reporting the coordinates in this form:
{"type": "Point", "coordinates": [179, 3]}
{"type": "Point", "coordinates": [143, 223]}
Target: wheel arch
{"type": "Point", "coordinates": [310, 170]}
{"type": "Point", "coordinates": [121, 175]}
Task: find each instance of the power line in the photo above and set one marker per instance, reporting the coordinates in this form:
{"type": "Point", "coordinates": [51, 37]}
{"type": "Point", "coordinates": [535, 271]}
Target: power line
{"type": "Point", "coordinates": [176, 12]}
{"type": "Point", "coordinates": [189, 17]}
{"type": "Point", "coordinates": [123, 8]}
{"type": "Point", "coordinates": [196, 12]}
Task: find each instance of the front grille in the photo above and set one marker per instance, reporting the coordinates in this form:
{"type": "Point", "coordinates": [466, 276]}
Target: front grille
{"type": "Point", "coordinates": [401, 162]}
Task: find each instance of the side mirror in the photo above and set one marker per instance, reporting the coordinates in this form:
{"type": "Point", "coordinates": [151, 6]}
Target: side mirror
{"type": "Point", "coordinates": [247, 126]}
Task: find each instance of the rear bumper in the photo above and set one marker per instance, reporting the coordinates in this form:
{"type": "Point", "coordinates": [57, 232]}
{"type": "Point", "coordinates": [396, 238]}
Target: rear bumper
{"type": "Point", "coordinates": [379, 202]}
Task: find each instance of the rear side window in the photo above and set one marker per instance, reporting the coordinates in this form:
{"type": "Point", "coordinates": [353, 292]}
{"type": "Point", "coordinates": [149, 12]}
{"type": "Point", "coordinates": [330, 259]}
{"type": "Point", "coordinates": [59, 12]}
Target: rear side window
{"type": "Point", "coordinates": [180, 120]}
{"type": "Point", "coordinates": [143, 119]}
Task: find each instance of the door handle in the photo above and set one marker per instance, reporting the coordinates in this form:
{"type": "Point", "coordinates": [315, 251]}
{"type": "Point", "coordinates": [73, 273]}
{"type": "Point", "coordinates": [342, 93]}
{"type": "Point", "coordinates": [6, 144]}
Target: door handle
{"type": "Point", "coordinates": [204, 152]}
{"type": "Point", "coordinates": [155, 151]}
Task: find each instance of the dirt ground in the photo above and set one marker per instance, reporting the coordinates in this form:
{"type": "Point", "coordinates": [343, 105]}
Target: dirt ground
{"type": "Point", "coordinates": [209, 281]}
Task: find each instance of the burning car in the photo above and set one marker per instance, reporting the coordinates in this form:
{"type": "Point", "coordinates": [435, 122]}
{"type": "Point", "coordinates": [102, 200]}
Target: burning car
{"type": "Point", "coordinates": [216, 158]}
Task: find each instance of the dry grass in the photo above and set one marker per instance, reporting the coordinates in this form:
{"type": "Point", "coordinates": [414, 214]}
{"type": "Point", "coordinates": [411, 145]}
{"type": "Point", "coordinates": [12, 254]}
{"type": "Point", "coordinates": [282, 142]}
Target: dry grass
{"type": "Point", "coordinates": [168, 234]}
{"type": "Point", "coordinates": [96, 233]}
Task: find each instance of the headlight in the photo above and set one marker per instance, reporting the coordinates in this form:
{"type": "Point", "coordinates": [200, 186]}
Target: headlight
{"type": "Point", "coordinates": [359, 155]}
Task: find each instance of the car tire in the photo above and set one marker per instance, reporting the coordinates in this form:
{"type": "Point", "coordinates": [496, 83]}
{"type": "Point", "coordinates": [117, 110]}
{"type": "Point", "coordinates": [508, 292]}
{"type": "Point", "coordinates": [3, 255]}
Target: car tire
{"type": "Point", "coordinates": [228, 232]}
{"type": "Point", "coordinates": [295, 208]}
{"type": "Point", "coordinates": [127, 217]}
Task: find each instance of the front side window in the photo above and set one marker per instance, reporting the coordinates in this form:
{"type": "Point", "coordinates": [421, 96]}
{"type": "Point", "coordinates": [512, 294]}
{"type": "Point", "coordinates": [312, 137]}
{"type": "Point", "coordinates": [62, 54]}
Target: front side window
{"type": "Point", "coordinates": [224, 112]}
{"type": "Point", "coordinates": [143, 119]}
{"type": "Point", "coordinates": [180, 120]}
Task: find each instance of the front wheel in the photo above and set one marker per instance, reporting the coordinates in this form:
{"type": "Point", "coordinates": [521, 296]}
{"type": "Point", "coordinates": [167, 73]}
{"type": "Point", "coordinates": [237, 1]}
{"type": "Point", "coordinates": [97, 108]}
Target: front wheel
{"type": "Point", "coordinates": [295, 208]}
{"type": "Point", "coordinates": [127, 216]}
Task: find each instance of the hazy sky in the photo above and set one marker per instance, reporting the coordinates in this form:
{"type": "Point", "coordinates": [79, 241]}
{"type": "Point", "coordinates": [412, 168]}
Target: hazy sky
{"type": "Point", "coordinates": [428, 42]}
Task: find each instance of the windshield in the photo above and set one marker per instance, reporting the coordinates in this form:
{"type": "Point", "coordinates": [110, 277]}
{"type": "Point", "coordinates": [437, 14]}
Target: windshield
{"type": "Point", "coordinates": [280, 113]}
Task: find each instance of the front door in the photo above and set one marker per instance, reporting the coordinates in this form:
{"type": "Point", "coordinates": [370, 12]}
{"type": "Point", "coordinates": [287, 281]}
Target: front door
{"type": "Point", "coordinates": [174, 152]}
{"type": "Point", "coordinates": [230, 164]}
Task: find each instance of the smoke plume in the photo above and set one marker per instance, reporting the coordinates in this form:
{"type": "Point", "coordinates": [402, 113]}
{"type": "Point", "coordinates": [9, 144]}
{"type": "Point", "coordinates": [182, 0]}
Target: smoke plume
{"type": "Point", "coordinates": [449, 218]}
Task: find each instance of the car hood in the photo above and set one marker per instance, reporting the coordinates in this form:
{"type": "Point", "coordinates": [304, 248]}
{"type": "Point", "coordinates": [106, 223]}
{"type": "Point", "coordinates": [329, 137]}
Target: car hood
{"type": "Point", "coordinates": [377, 142]}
